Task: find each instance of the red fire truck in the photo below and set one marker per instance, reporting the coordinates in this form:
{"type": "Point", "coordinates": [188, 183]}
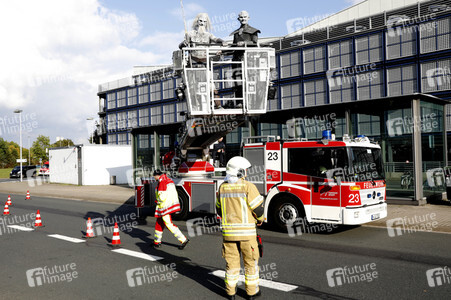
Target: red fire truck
{"type": "Point", "coordinates": [326, 181]}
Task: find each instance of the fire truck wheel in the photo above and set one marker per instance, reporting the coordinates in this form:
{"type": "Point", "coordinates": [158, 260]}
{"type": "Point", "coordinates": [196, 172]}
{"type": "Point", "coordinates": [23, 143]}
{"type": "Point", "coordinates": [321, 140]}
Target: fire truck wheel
{"type": "Point", "coordinates": [184, 206]}
{"type": "Point", "coordinates": [286, 211]}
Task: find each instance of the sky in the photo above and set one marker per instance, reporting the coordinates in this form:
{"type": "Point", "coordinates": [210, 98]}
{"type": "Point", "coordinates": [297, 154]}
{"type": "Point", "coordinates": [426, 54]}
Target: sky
{"type": "Point", "coordinates": [55, 53]}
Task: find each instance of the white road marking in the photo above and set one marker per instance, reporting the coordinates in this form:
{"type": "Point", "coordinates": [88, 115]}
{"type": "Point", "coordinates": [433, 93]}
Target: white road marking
{"type": "Point", "coordinates": [285, 287]}
{"type": "Point", "coordinates": [137, 254]}
{"type": "Point", "coordinates": [18, 227]}
{"type": "Point", "coordinates": [66, 238]}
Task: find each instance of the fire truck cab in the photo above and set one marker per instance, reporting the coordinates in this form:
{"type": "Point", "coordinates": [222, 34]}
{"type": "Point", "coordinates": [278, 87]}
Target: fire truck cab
{"type": "Point", "coordinates": [327, 181]}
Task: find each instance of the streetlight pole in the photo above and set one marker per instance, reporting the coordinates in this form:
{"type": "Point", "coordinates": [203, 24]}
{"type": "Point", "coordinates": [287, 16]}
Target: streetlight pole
{"type": "Point", "coordinates": [29, 151]}
{"type": "Point", "coordinates": [19, 111]}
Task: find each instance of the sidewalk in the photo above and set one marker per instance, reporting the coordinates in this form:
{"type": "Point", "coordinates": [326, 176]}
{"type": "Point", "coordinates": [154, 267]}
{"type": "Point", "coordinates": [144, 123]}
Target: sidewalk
{"type": "Point", "coordinates": [434, 216]}
{"type": "Point", "coordinates": [438, 217]}
{"type": "Point", "coordinates": [119, 194]}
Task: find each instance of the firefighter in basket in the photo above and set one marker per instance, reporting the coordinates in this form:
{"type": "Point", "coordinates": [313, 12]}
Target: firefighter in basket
{"type": "Point", "coordinates": [240, 206]}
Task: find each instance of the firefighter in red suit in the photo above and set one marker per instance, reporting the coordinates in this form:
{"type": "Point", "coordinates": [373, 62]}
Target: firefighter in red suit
{"type": "Point", "coordinates": [167, 204]}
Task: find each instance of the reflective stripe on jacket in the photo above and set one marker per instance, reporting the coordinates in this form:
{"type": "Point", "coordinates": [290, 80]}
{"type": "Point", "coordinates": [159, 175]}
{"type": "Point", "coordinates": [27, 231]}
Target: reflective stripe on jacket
{"type": "Point", "coordinates": [167, 197]}
{"type": "Point", "coordinates": [235, 204]}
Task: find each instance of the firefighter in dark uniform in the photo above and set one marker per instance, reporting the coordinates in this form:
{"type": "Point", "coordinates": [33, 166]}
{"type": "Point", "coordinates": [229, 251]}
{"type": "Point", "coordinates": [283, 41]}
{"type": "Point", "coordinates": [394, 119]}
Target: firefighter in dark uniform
{"type": "Point", "coordinates": [245, 36]}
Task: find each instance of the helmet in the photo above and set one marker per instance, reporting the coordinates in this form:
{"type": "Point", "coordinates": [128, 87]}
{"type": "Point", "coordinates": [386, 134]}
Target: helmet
{"type": "Point", "coordinates": [237, 166]}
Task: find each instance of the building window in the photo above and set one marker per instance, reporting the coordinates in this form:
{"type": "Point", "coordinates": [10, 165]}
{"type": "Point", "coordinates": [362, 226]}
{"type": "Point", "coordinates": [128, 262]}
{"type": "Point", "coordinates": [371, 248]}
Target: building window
{"type": "Point", "coordinates": [314, 60]}
{"type": "Point", "coordinates": [436, 76]}
{"type": "Point", "coordinates": [398, 121]}
{"type": "Point", "coordinates": [144, 117]}
{"type": "Point", "coordinates": [155, 115]}
{"type": "Point", "coordinates": [233, 137]}
{"type": "Point", "coordinates": [111, 100]}
{"type": "Point", "coordinates": [315, 92]}
{"type": "Point", "coordinates": [370, 85]}
{"type": "Point", "coordinates": [368, 125]}
{"type": "Point", "coordinates": [155, 91]}
{"type": "Point", "coordinates": [236, 135]}
{"type": "Point", "coordinates": [269, 129]}
{"type": "Point", "coordinates": [122, 139]}
{"type": "Point", "coordinates": [143, 92]}
{"type": "Point", "coordinates": [340, 54]}
{"type": "Point", "coordinates": [401, 42]}
{"type": "Point", "coordinates": [312, 128]}
{"type": "Point", "coordinates": [132, 119]}
{"type": "Point", "coordinates": [436, 35]}
{"type": "Point", "coordinates": [289, 64]}
{"type": "Point", "coordinates": [342, 90]}
{"type": "Point", "coordinates": [402, 80]}
{"type": "Point", "coordinates": [169, 113]}
{"type": "Point", "coordinates": [143, 141]}
{"type": "Point", "coordinates": [291, 95]}
{"type": "Point", "coordinates": [112, 139]}
{"type": "Point", "coordinates": [168, 89]}
{"type": "Point", "coordinates": [340, 126]}
{"type": "Point", "coordinates": [132, 96]}
{"type": "Point", "coordinates": [164, 141]}
{"type": "Point", "coordinates": [368, 49]}
{"type": "Point", "coordinates": [121, 98]}
{"type": "Point", "coordinates": [122, 120]}
{"type": "Point", "coordinates": [111, 123]}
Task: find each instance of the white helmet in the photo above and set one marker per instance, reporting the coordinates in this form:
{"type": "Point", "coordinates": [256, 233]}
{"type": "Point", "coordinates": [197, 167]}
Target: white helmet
{"type": "Point", "coordinates": [237, 166]}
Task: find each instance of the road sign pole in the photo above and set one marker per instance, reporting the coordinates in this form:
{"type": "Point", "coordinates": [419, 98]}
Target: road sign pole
{"type": "Point", "coordinates": [19, 111]}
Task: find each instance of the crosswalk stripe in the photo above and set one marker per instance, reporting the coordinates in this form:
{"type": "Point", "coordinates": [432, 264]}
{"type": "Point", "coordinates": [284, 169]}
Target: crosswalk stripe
{"type": "Point", "coordinates": [137, 254]}
{"type": "Point", "coordinates": [66, 238]}
{"type": "Point", "coordinates": [285, 287]}
{"type": "Point", "coordinates": [22, 228]}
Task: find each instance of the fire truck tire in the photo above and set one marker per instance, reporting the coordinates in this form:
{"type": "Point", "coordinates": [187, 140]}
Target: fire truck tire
{"type": "Point", "coordinates": [184, 206]}
{"type": "Point", "coordinates": [286, 210]}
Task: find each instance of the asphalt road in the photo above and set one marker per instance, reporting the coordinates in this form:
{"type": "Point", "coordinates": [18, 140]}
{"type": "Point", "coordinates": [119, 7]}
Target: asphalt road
{"type": "Point", "coordinates": [344, 263]}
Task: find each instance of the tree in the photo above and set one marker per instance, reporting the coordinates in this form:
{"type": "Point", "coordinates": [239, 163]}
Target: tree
{"type": "Point", "coordinates": [4, 154]}
{"type": "Point", "coordinates": [39, 146]}
{"type": "Point", "coordinates": [62, 143]}
{"type": "Point", "coordinates": [9, 153]}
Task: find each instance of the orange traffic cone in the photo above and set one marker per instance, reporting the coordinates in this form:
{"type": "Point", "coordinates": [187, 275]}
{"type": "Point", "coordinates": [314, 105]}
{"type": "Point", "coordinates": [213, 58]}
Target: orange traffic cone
{"type": "Point", "coordinates": [89, 231]}
{"type": "Point", "coordinates": [116, 238]}
{"type": "Point", "coordinates": [38, 222]}
{"type": "Point", "coordinates": [28, 196]}
{"type": "Point", "coordinates": [6, 210]}
{"type": "Point", "coordinates": [9, 201]}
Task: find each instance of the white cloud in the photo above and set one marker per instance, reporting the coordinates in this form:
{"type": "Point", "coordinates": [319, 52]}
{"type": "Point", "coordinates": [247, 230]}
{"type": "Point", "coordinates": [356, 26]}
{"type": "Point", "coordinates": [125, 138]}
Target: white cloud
{"type": "Point", "coordinates": [164, 42]}
{"type": "Point", "coordinates": [55, 53]}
